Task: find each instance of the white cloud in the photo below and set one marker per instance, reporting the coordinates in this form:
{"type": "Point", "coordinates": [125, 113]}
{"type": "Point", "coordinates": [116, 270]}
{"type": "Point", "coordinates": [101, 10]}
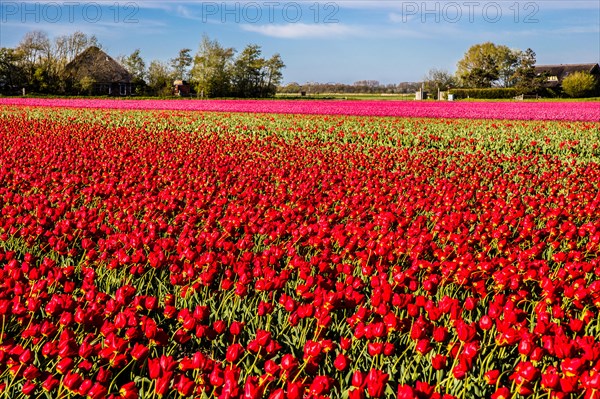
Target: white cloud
{"type": "Point", "coordinates": [303, 30]}
{"type": "Point", "coordinates": [400, 18]}
{"type": "Point", "coordinates": [431, 4]}
{"type": "Point", "coordinates": [185, 12]}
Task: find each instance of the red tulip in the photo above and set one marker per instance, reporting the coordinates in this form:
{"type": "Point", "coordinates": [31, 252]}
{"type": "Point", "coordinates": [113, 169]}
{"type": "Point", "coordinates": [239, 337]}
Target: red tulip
{"type": "Point", "coordinates": [236, 328]}
{"type": "Point", "coordinates": [376, 382]}
{"type": "Point", "coordinates": [65, 365]}
{"type": "Point", "coordinates": [279, 393]}
{"type": "Point", "coordinates": [271, 368]}
{"type": "Point", "coordinates": [341, 362]}
{"type": "Point", "coordinates": [502, 393]}
{"type": "Point", "coordinates": [84, 387]}
{"type": "Point", "coordinates": [183, 385]}
{"type": "Point", "coordinates": [128, 391]}
{"type": "Point", "coordinates": [321, 385]}
{"type": "Point", "coordinates": [72, 381]}
{"type": "Point", "coordinates": [486, 323]}
{"type": "Point", "coordinates": [439, 362]}
{"type": "Point", "coordinates": [358, 379]}
{"type": "Point", "coordinates": [230, 387]}
{"type": "Point", "coordinates": [28, 388]}
{"type": "Point", "coordinates": [440, 334]}
{"type": "Point", "coordinates": [252, 389]}
{"type": "Point", "coordinates": [154, 368]}
{"type": "Point", "coordinates": [26, 357]}
{"type": "Point", "coordinates": [97, 391]}
{"type": "Point", "coordinates": [459, 371]}
{"type": "Point", "coordinates": [139, 352]}
{"type": "Point", "coordinates": [288, 362]}
{"type": "Point", "coordinates": [466, 332]}
{"type": "Point", "coordinates": [163, 383]}
{"type": "Point", "coordinates": [550, 378]}
{"type": "Point", "coordinates": [31, 372]}
{"type": "Point", "coordinates": [50, 383]}
{"type": "Point", "coordinates": [406, 392]}
{"type": "Point", "coordinates": [491, 377]}
{"type": "Point", "coordinates": [424, 389]}
{"type": "Point", "coordinates": [423, 347]}
{"type": "Point", "coordinates": [572, 367]}
{"type": "Point", "coordinates": [234, 352]}
{"type": "Point", "coordinates": [295, 390]}
{"type": "Point", "coordinates": [356, 393]}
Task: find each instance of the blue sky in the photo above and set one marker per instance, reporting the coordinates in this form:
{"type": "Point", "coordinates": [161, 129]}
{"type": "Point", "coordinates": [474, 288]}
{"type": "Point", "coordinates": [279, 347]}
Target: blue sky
{"type": "Point", "coordinates": [325, 41]}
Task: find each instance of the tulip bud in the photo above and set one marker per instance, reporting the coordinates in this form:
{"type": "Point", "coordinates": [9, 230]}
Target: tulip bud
{"type": "Point", "coordinates": [358, 379]}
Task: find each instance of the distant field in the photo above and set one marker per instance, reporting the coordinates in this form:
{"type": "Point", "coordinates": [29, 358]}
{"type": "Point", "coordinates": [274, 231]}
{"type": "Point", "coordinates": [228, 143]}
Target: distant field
{"type": "Point", "coordinates": [553, 100]}
{"type": "Point", "coordinates": [350, 96]}
{"type": "Point", "coordinates": [359, 96]}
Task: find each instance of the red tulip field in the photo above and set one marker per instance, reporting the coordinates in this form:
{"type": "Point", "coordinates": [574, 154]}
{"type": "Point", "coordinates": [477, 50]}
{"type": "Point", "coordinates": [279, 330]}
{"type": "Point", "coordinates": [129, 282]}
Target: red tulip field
{"type": "Point", "coordinates": [177, 253]}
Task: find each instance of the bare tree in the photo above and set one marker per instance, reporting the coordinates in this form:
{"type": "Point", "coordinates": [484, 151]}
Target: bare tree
{"type": "Point", "coordinates": [67, 47]}
{"type": "Point", "coordinates": [438, 79]}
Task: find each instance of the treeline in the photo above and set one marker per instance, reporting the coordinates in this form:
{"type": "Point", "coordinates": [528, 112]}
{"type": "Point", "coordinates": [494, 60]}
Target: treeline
{"type": "Point", "coordinates": [218, 72]}
{"type": "Point", "coordinates": [486, 66]}
{"type": "Point", "coordinates": [364, 86]}
{"type": "Point", "coordinates": [38, 64]}
{"type": "Point", "coordinates": [488, 70]}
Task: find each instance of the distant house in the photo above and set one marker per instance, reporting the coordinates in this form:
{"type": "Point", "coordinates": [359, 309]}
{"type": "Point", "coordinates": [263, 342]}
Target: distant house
{"type": "Point", "coordinates": [95, 72]}
{"type": "Point", "coordinates": [555, 74]}
{"type": "Point", "coordinates": [181, 88]}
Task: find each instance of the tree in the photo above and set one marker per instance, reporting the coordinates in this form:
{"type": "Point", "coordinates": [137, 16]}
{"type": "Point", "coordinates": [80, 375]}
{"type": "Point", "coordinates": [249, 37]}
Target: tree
{"type": "Point", "coordinates": [482, 75]}
{"type": "Point", "coordinates": [507, 61]}
{"type": "Point", "coordinates": [11, 74]}
{"type": "Point", "coordinates": [211, 72]}
{"type": "Point", "coordinates": [579, 84]}
{"type": "Point", "coordinates": [487, 64]}
{"type": "Point", "coordinates": [438, 79]}
{"type": "Point", "coordinates": [159, 78]}
{"type": "Point", "coordinates": [135, 65]}
{"type": "Point", "coordinates": [67, 47]}
{"type": "Point", "coordinates": [34, 52]}
{"type": "Point", "coordinates": [247, 71]}
{"type": "Point", "coordinates": [254, 76]}
{"type": "Point", "coordinates": [292, 87]}
{"type": "Point", "coordinates": [526, 80]}
{"type": "Point", "coordinates": [42, 61]}
{"type": "Point", "coordinates": [274, 75]}
{"type": "Point", "coordinates": [182, 63]}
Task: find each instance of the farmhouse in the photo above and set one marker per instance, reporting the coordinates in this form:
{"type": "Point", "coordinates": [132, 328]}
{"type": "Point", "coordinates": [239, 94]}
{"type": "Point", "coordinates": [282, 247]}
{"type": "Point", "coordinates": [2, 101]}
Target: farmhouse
{"type": "Point", "coordinates": [181, 88]}
{"type": "Point", "coordinates": [95, 72]}
{"type": "Point", "coordinates": [556, 73]}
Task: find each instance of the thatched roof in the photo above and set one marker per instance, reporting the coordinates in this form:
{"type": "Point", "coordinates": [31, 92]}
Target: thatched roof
{"type": "Point", "coordinates": [96, 64]}
{"type": "Point", "coordinates": [563, 70]}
